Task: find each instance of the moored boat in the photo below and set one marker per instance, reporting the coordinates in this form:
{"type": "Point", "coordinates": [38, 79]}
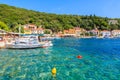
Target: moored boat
{"type": "Point", "coordinates": [46, 44]}
{"type": "Point", "coordinates": [26, 42]}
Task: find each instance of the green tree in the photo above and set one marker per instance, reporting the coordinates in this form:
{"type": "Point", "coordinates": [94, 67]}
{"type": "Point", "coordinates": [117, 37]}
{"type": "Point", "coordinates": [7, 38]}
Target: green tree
{"type": "Point", "coordinates": [3, 26]}
{"type": "Point", "coordinates": [46, 32]}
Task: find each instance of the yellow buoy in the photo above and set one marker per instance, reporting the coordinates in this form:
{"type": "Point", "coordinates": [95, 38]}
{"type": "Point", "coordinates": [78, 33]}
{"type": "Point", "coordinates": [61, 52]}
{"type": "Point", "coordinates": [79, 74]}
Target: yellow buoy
{"type": "Point", "coordinates": [54, 71]}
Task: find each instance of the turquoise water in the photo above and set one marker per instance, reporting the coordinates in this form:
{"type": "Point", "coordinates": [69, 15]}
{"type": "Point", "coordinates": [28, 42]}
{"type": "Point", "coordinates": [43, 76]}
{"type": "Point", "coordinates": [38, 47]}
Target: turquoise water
{"type": "Point", "coordinates": [100, 61]}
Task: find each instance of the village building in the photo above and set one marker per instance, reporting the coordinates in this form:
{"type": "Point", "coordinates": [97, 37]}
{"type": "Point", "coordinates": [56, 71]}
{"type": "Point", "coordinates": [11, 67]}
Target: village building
{"type": "Point", "coordinates": [116, 33]}
{"type": "Point", "coordinates": [59, 34]}
{"type": "Point", "coordinates": [112, 21]}
{"type": "Point", "coordinates": [2, 32]}
{"type": "Point", "coordinates": [95, 32]}
{"type": "Point", "coordinates": [76, 31]}
{"type": "Point", "coordinates": [32, 29]}
{"type": "Point", "coordinates": [105, 33]}
{"type": "Point", "coordinates": [40, 30]}
{"type": "Point", "coordinates": [70, 32]}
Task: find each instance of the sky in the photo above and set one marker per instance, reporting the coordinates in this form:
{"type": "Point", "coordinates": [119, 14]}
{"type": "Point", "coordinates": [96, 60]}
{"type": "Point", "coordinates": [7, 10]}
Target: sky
{"type": "Point", "coordinates": [103, 8]}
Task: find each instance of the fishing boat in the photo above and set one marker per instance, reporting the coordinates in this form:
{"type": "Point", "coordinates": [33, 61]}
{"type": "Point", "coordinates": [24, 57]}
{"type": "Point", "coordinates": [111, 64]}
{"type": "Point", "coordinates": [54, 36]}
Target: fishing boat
{"type": "Point", "coordinates": [26, 42]}
{"type": "Point", "coordinates": [46, 44]}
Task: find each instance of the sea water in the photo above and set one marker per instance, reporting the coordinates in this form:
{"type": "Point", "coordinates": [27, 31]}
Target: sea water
{"type": "Point", "coordinates": [100, 61]}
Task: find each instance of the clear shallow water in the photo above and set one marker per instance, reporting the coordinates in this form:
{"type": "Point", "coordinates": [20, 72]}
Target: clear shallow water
{"type": "Point", "coordinates": [101, 61]}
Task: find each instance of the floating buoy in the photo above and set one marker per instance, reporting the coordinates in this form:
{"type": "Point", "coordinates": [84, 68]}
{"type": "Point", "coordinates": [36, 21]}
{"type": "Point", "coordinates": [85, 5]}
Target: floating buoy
{"type": "Point", "coordinates": [79, 56]}
{"type": "Point", "coordinates": [54, 71]}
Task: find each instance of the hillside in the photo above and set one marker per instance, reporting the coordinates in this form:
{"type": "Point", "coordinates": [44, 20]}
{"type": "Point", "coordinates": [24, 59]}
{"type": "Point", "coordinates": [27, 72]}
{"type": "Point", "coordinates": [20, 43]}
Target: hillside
{"type": "Point", "coordinates": [12, 16]}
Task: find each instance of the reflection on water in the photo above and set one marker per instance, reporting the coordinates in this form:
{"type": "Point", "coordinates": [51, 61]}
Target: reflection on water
{"type": "Point", "coordinates": [101, 61]}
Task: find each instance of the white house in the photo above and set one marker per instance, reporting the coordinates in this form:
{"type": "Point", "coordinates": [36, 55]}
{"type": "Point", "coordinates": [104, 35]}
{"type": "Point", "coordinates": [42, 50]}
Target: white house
{"type": "Point", "coordinates": [105, 33]}
{"type": "Point", "coordinates": [40, 30]}
{"type": "Point", "coordinates": [116, 32]}
{"type": "Point", "coordinates": [112, 21]}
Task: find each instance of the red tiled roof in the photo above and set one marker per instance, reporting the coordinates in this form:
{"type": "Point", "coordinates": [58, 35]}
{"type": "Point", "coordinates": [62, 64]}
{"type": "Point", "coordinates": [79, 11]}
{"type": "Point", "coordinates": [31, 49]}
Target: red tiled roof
{"type": "Point", "coordinates": [66, 31]}
{"type": "Point", "coordinates": [40, 29]}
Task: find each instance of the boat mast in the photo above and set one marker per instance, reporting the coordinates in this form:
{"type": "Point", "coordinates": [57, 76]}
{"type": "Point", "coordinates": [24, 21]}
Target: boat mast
{"type": "Point", "coordinates": [19, 30]}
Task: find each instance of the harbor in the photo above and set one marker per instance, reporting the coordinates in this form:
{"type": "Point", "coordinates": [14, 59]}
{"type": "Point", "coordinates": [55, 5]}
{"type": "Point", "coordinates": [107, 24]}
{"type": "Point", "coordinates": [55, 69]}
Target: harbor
{"type": "Point", "coordinates": [59, 40]}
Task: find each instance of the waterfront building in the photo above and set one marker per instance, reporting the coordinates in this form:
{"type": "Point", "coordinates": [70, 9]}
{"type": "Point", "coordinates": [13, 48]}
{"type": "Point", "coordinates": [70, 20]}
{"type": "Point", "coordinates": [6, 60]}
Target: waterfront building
{"type": "Point", "coordinates": [105, 33]}
{"type": "Point", "coordinates": [95, 32]}
{"type": "Point", "coordinates": [2, 32]}
{"type": "Point", "coordinates": [32, 29]}
{"type": "Point", "coordinates": [116, 33]}
{"type": "Point", "coordinates": [76, 31]}
{"type": "Point", "coordinates": [70, 32]}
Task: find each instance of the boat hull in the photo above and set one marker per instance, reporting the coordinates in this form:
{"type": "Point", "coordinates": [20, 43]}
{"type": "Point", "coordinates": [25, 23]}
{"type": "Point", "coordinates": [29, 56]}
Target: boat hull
{"type": "Point", "coordinates": [22, 46]}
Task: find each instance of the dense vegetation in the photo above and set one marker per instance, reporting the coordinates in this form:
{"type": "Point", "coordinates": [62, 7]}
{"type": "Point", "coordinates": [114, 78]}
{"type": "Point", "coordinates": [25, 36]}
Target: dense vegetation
{"type": "Point", "coordinates": [13, 16]}
{"type": "Point", "coordinates": [3, 26]}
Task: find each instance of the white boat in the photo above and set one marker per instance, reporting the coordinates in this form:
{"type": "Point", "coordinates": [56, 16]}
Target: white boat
{"type": "Point", "coordinates": [26, 42]}
{"type": "Point", "coordinates": [46, 44]}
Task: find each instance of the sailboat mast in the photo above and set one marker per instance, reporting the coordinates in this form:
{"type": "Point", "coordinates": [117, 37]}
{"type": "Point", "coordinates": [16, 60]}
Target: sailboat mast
{"type": "Point", "coordinates": [19, 30]}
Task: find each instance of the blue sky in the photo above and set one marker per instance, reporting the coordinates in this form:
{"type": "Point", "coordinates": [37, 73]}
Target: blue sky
{"type": "Point", "coordinates": [104, 8]}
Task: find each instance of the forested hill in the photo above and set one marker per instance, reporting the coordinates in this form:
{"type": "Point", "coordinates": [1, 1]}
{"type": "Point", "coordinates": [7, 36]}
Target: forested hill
{"type": "Point", "coordinates": [12, 16]}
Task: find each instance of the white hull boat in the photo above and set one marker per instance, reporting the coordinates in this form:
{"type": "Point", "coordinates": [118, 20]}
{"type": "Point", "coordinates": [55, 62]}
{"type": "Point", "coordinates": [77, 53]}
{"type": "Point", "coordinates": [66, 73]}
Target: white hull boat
{"type": "Point", "coordinates": [22, 46]}
{"type": "Point", "coordinates": [46, 44]}
{"type": "Point", "coordinates": [25, 43]}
